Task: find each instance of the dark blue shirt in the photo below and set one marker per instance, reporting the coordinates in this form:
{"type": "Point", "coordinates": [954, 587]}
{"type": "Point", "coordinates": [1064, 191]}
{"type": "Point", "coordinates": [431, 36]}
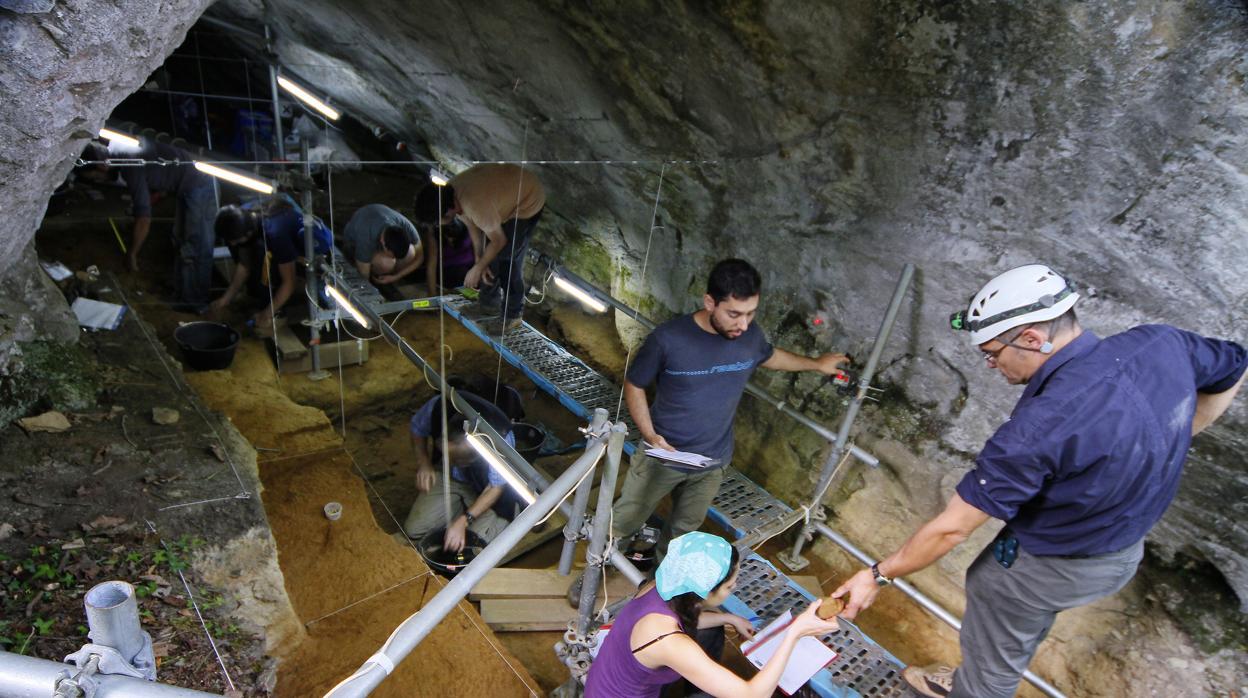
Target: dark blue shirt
{"type": "Point", "coordinates": [699, 377]}
{"type": "Point", "coordinates": [282, 223]}
{"type": "Point", "coordinates": [476, 473]}
{"type": "Point", "coordinates": [1092, 453]}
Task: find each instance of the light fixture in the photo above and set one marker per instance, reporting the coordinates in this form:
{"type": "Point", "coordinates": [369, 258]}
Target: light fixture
{"type": "Point", "coordinates": [491, 457]}
{"type": "Point", "coordinates": [580, 294]}
{"type": "Point", "coordinates": [118, 138]}
{"type": "Point", "coordinates": [345, 304]}
{"type": "Point", "coordinates": [308, 99]}
{"type": "Point", "coordinates": [438, 177]}
{"type": "Point", "coordinates": [232, 176]}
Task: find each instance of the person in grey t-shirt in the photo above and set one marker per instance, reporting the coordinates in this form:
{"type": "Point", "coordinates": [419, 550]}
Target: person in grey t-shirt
{"type": "Point", "coordinates": [699, 365]}
{"type": "Point", "coordinates": [383, 244]}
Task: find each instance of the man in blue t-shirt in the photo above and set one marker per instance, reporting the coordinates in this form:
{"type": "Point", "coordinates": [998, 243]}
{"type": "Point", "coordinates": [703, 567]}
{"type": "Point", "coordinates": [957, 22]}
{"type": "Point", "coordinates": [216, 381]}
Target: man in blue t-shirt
{"type": "Point", "coordinates": [699, 364]}
{"type": "Point", "coordinates": [1083, 467]}
{"type": "Point", "coordinates": [481, 499]}
{"type": "Point", "coordinates": [266, 239]}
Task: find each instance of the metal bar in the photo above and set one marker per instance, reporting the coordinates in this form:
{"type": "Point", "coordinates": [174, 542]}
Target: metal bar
{"type": "Point", "coordinates": [572, 530]}
{"type": "Point", "coordinates": [277, 103]}
{"type": "Point", "coordinates": [310, 276]}
{"type": "Point", "coordinates": [794, 557]}
{"type": "Point", "coordinates": [525, 471]}
{"type": "Point", "coordinates": [600, 533]}
{"type": "Point", "coordinates": [201, 95]}
{"type": "Point", "coordinates": [410, 633]}
{"type": "Point", "coordinates": [923, 600]}
{"type": "Point", "coordinates": [113, 618]}
{"type": "Point", "coordinates": [28, 677]}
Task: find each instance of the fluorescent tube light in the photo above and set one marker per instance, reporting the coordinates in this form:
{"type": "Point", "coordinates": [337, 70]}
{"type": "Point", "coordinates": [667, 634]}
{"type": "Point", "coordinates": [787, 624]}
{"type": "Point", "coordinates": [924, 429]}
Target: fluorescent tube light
{"type": "Point", "coordinates": [118, 138]}
{"type": "Point", "coordinates": [345, 304]}
{"type": "Point", "coordinates": [232, 176]}
{"type": "Point", "coordinates": [308, 99]}
{"type": "Point", "coordinates": [492, 457]}
{"type": "Point", "coordinates": [439, 177]}
{"type": "Point", "coordinates": [578, 293]}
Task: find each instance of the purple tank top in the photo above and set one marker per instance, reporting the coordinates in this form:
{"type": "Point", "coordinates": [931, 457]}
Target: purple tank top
{"type": "Point", "coordinates": [460, 255]}
{"type": "Point", "coordinates": [616, 673]}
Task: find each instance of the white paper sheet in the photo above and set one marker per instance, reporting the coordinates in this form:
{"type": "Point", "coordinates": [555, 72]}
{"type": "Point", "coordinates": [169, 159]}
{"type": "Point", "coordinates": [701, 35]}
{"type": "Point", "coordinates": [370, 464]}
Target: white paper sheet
{"type": "Point", "coordinates": [809, 655]}
{"type": "Point", "coordinates": [683, 457]}
{"type": "Point", "coordinates": [98, 315]}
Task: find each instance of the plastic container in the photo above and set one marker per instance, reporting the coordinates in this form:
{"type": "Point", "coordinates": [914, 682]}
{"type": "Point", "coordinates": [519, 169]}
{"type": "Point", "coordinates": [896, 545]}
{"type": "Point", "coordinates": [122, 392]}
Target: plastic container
{"type": "Point", "coordinates": [529, 440]}
{"type": "Point", "coordinates": [206, 346]}
{"type": "Point", "coordinates": [445, 562]}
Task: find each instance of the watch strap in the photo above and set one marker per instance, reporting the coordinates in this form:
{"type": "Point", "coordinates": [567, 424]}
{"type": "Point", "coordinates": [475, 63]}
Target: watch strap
{"type": "Point", "coordinates": [880, 579]}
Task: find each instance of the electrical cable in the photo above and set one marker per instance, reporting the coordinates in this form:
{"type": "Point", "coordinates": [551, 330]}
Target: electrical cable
{"type": "Point", "coordinates": [654, 218]}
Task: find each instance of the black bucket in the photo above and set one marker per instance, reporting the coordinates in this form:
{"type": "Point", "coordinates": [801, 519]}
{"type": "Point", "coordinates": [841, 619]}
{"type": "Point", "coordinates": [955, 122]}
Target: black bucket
{"type": "Point", "coordinates": [206, 346]}
{"type": "Point", "coordinates": [445, 562]}
{"type": "Point", "coordinates": [529, 440]}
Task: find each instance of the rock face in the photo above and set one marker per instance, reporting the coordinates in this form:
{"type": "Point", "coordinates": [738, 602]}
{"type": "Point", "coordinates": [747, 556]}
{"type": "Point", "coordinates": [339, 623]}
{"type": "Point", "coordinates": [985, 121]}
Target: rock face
{"type": "Point", "coordinates": [832, 143]}
{"type": "Point", "coordinates": [64, 72]}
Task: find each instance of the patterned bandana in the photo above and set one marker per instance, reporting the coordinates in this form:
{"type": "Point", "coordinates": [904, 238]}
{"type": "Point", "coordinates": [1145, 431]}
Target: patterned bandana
{"type": "Point", "coordinates": [695, 562]}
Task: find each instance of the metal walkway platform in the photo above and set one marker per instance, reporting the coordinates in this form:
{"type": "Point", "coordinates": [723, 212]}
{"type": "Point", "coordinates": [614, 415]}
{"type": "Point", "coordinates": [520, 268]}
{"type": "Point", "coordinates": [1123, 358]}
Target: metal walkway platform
{"type": "Point", "coordinates": [862, 668]}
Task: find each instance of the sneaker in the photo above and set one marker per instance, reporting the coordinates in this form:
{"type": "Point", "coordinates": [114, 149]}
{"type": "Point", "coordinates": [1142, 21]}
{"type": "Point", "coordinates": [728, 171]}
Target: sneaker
{"type": "Point", "coordinates": [935, 681]}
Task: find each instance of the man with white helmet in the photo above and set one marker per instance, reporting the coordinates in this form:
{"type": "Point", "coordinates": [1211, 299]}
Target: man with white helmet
{"type": "Point", "coordinates": [1087, 462]}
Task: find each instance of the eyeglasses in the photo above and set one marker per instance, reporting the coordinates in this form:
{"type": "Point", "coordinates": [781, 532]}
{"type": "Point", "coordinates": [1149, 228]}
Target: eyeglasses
{"type": "Point", "coordinates": [993, 355]}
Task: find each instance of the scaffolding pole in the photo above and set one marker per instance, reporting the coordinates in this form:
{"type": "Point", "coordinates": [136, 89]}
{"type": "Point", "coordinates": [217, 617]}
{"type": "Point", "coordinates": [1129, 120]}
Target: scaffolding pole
{"type": "Point", "coordinates": [409, 634]}
{"type": "Point", "coordinates": [340, 278]}
{"type": "Point", "coordinates": [793, 559]}
{"type": "Point", "coordinates": [28, 677]}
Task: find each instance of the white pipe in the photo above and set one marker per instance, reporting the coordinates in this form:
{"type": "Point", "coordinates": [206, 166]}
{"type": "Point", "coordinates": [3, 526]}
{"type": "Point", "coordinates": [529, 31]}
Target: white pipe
{"type": "Point", "coordinates": [410, 632]}
{"type": "Point", "coordinates": [29, 677]}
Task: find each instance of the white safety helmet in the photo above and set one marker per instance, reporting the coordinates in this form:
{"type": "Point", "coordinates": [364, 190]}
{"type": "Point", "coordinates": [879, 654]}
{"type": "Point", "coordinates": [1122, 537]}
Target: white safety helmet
{"type": "Point", "coordinates": [1020, 296]}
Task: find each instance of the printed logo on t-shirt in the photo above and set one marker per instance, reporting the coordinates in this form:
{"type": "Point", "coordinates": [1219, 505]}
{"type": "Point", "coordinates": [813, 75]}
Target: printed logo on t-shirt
{"type": "Point", "coordinates": [722, 368]}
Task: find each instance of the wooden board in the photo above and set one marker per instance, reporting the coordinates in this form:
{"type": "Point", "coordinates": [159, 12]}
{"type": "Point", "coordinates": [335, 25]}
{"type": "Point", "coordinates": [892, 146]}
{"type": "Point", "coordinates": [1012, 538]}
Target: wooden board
{"type": "Point", "coordinates": [515, 583]}
{"type": "Point", "coordinates": [289, 346]}
{"type": "Point", "coordinates": [527, 615]}
{"type": "Point", "coordinates": [354, 352]}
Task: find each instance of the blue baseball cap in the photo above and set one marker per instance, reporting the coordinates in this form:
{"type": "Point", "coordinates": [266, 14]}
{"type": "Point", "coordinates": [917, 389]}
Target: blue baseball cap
{"type": "Point", "coordinates": [695, 562]}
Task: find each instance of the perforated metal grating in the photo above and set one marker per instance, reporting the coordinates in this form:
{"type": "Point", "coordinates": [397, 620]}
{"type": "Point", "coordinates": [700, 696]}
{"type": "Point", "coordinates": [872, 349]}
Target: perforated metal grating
{"type": "Point", "coordinates": [861, 665]}
{"type": "Point", "coordinates": [743, 506]}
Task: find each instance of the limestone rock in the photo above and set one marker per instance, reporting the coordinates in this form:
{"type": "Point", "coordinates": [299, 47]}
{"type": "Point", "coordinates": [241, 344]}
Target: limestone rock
{"type": "Point", "coordinates": [165, 416]}
{"type": "Point", "coordinates": [48, 421]}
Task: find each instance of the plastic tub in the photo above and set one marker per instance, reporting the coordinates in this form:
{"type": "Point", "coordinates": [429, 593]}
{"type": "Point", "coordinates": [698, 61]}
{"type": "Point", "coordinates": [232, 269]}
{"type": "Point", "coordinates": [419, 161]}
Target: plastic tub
{"type": "Point", "coordinates": [206, 346]}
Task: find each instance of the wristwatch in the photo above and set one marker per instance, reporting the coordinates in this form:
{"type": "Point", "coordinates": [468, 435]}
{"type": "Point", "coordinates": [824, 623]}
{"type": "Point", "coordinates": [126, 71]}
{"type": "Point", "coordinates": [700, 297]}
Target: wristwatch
{"type": "Point", "coordinates": [469, 517]}
{"type": "Point", "coordinates": [880, 579]}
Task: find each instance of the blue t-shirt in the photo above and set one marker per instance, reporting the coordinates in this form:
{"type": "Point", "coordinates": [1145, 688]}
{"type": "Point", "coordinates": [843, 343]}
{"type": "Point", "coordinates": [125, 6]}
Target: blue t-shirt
{"type": "Point", "coordinates": [1091, 455]}
{"type": "Point", "coordinates": [477, 474]}
{"type": "Point", "coordinates": [282, 223]}
{"type": "Point", "coordinates": [699, 377]}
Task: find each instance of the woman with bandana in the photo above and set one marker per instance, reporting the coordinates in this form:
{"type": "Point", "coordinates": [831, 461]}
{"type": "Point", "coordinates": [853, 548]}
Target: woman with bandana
{"type": "Point", "coordinates": [653, 641]}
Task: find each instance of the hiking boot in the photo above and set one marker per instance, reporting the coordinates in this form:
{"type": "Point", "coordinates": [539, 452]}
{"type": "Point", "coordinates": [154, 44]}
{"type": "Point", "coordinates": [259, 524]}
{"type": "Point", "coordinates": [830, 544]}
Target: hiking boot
{"type": "Point", "coordinates": [497, 326]}
{"type": "Point", "coordinates": [935, 681]}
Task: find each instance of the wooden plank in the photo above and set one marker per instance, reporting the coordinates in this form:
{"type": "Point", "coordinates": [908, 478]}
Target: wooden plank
{"type": "Point", "coordinates": [288, 345]}
{"type": "Point", "coordinates": [353, 351]}
{"type": "Point", "coordinates": [516, 583]}
{"type": "Point", "coordinates": [527, 615]}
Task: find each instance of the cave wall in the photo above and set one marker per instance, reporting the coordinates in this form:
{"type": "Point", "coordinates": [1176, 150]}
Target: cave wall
{"type": "Point", "coordinates": [832, 142]}
{"type": "Point", "coordinates": [63, 72]}
{"type": "Point", "coordinates": [829, 143]}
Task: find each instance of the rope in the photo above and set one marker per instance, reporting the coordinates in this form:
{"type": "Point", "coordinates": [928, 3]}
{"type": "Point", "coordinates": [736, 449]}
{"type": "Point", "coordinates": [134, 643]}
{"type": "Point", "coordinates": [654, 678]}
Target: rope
{"type": "Point", "coordinates": [373, 595]}
{"type": "Point", "coordinates": [645, 261]}
{"type": "Point", "coordinates": [191, 597]}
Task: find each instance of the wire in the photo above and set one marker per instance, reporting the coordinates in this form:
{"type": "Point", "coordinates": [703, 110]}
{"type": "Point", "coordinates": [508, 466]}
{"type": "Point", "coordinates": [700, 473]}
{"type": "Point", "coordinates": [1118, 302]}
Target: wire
{"type": "Point", "coordinates": [654, 218]}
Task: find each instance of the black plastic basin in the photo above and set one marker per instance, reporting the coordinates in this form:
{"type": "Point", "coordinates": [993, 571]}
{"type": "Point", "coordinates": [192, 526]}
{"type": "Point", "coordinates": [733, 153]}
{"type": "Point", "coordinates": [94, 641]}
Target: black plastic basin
{"type": "Point", "coordinates": [206, 346]}
{"type": "Point", "coordinates": [444, 562]}
{"type": "Point", "coordinates": [529, 439]}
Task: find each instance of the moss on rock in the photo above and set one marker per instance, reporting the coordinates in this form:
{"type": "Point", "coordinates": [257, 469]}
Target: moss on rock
{"type": "Point", "coordinates": [47, 375]}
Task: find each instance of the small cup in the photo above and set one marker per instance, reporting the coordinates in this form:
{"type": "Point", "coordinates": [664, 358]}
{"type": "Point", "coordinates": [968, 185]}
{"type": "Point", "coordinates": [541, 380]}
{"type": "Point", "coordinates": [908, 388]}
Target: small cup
{"type": "Point", "coordinates": [333, 511]}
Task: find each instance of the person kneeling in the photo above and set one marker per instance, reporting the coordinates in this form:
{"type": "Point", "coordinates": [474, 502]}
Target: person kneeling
{"type": "Point", "coordinates": [481, 500]}
{"type": "Point", "coordinates": [655, 640]}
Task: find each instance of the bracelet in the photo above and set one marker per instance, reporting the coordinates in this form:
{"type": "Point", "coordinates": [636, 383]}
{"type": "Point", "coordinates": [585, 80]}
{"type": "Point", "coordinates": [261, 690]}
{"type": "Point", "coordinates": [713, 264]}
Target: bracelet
{"type": "Point", "coordinates": [469, 517]}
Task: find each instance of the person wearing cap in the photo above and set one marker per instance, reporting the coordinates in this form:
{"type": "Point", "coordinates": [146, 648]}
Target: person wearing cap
{"type": "Point", "coordinates": [501, 204]}
{"type": "Point", "coordinates": [699, 364]}
{"type": "Point", "coordinates": [660, 636]}
{"type": "Point", "coordinates": [383, 244]}
{"type": "Point", "coordinates": [1083, 467]}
